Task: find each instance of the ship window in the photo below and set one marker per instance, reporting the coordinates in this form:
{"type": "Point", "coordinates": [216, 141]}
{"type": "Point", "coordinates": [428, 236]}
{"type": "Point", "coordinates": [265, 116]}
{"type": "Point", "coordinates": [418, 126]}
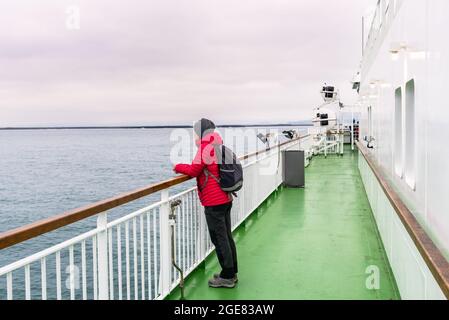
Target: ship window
{"type": "Point", "coordinates": [324, 116]}
{"type": "Point", "coordinates": [398, 132]}
{"type": "Point", "coordinates": [410, 133]}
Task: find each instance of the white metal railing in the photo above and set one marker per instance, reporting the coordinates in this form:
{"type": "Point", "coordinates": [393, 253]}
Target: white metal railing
{"type": "Point", "coordinates": [383, 15]}
{"type": "Point", "coordinates": [130, 257]}
{"type": "Point", "coordinates": [375, 26]}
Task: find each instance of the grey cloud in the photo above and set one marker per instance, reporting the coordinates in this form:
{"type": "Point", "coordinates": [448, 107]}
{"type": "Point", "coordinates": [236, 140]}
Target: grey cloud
{"type": "Point", "coordinates": [145, 61]}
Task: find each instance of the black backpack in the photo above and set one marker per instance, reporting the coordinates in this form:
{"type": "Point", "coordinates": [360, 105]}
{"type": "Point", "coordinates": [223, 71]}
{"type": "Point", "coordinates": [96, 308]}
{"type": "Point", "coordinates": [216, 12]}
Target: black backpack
{"type": "Point", "coordinates": [231, 170]}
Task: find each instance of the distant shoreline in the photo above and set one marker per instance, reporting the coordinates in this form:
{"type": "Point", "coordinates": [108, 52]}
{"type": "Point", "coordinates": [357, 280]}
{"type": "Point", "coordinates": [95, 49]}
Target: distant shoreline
{"type": "Point", "coordinates": [155, 127]}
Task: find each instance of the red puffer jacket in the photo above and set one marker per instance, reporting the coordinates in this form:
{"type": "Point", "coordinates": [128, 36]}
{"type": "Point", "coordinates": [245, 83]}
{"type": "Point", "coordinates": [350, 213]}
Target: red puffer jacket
{"type": "Point", "coordinates": [210, 194]}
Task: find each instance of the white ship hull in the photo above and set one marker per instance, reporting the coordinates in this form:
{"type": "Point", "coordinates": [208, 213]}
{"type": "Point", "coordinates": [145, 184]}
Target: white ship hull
{"type": "Point", "coordinates": [404, 74]}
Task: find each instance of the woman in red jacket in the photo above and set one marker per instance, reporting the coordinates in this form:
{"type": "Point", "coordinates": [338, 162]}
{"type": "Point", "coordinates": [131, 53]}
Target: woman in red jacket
{"type": "Point", "coordinates": [216, 202]}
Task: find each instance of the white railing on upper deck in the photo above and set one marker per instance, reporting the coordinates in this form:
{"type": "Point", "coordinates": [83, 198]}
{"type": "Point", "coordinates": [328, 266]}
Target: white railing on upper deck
{"type": "Point", "coordinates": [130, 258]}
{"type": "Point", "coordinates": [381, 20]}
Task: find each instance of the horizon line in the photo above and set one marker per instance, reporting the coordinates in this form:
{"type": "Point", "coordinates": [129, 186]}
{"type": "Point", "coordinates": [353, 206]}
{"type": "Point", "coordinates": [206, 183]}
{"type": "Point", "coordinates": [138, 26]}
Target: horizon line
{"type": "Point", "coordinates": [302, 124]}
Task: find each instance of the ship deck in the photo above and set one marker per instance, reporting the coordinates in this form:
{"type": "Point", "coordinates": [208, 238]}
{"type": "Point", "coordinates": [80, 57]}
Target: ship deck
{"type": "Point", "coordinates": [312, 243]}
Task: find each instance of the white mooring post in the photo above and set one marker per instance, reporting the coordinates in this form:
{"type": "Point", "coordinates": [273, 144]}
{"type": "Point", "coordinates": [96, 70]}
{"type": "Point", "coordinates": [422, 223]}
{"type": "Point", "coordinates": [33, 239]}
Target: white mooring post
{"type": "Point", "coordinates": [103, 268]}
{"type": "Point", "coordinates": [165, 245]}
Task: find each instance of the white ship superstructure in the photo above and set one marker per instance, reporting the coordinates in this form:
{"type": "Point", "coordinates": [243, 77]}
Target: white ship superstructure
{"type": "Point", "coordinates": [403, 79]}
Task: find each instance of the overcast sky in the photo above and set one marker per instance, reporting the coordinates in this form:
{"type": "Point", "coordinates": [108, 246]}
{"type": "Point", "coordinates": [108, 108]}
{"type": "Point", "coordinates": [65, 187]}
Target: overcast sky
{"type": "Point", "coordinates": [173, 61]}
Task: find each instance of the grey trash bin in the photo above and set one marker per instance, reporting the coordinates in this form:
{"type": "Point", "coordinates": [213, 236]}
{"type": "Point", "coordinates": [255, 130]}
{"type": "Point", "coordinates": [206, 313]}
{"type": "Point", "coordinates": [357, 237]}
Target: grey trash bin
{"type": "Point", "coordinates": [293, 168]}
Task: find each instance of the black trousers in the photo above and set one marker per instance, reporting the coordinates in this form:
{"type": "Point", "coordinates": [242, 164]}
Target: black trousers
{"type": "Point", "coordinates": [219, 223]}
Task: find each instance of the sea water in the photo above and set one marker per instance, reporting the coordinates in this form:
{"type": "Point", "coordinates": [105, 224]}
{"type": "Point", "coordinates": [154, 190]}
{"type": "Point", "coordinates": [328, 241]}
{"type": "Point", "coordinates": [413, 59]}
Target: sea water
{"type": "Point", "coordinates": [47, 172]}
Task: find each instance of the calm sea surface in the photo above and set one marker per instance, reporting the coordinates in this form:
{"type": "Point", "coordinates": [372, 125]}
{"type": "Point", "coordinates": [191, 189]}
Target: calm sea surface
{"type": "Point", "coordinates": [47, 172]}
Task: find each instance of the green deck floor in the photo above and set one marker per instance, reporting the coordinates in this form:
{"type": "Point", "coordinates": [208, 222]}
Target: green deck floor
{"type": "Point", "coordinates": [312, 243]}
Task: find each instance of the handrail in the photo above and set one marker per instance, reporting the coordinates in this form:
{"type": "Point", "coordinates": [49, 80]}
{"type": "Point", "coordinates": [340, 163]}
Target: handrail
{"type": "Point", "coordinates": [15, 236]}
{"type": "Point", "coordinates": [433, 257]}
{"type": "Point", "coordinates": [18, 235]}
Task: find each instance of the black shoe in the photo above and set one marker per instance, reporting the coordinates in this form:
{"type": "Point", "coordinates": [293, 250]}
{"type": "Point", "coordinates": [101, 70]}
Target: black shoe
{"type": "Point", "coordinates": [221, 283]}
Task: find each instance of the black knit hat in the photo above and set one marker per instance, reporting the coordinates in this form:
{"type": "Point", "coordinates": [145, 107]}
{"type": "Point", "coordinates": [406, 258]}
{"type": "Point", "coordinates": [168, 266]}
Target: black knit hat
{"type": "Point", "coordinates": [203, 126]}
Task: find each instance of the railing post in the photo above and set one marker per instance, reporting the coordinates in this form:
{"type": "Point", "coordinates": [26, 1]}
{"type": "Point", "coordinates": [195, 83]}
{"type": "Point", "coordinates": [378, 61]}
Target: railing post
{"type": "Point", "coordinates": [255, 196]}
{"type": "Point", "coordinates": [383, 8]}
{"type": "Point", "coordinates": [342, 146]}
{"type": "Point", "coordinates": [165, 245]}
{"type": "Point", "coordinates": [202, 233]}
{"type": "Point", "coordinates": [103, 267]}
{"type": "Point", "coordinates": [200, 239]}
